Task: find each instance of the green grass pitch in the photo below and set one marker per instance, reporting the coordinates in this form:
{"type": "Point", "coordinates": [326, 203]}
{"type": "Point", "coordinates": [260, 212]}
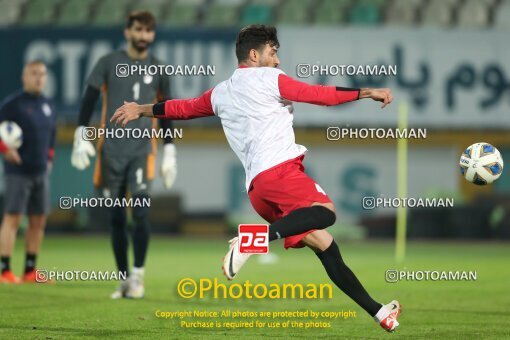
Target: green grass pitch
{"type": "Point", "coordinates": [445, 310]}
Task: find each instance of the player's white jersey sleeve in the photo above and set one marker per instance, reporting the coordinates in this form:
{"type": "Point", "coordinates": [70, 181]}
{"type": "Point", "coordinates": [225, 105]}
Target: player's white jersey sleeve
{"type": "Point", "coordinates": [257, 124]}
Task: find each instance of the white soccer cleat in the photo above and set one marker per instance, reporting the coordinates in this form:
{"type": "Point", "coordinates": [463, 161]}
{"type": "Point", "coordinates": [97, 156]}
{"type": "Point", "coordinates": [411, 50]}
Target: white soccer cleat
{"type": "Point", "coordinates": [136, 289]}
{"type": "Point", "coordinates": [390, 313]}
{"type": "Point", "coordinates": [234, 260]}
{"type": "Point", "coordinates": [121, 290]}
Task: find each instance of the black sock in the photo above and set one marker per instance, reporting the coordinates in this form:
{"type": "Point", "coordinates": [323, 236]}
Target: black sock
{"type": "Point", "coordinates": [141, 232]}
{"type": "Point", "coordinates": [30, 262]}
{"type": "Point", "coordinates": [6, 263]}
{"type": "Point", "coordinates": [300, 221]}
{"type": "Point", "coordinates": [345, 279]}
{"type": "Point", "coordinates": [120, 239]}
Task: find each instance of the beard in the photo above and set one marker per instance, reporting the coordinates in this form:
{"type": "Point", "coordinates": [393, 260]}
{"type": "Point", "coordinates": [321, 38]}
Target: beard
{"type": "Point", "coordinates": [140, 45]}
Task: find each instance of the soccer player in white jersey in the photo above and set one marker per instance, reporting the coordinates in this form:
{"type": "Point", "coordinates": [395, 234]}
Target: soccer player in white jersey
{"type": "Point", "coordinates": [255, 108]}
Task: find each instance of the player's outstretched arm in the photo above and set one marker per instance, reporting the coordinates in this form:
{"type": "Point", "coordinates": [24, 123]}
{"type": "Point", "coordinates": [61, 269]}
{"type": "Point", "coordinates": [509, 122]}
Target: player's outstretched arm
{"type": "Point", "coordinates": [297, 91]}
{"type": "Point", "coordinates": [178, 109]}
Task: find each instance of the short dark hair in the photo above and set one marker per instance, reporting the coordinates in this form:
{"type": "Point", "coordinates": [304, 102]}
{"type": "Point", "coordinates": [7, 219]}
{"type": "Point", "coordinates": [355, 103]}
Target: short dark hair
{"type": "Point", "coordinates": [144, 17]}
{"type": "Point", "coordinates": [255, 37]}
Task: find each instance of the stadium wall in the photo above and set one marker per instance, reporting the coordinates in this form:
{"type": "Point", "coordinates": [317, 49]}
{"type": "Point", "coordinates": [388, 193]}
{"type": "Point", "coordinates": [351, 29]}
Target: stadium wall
{"type": "Point", "coordinates": [449, 81]}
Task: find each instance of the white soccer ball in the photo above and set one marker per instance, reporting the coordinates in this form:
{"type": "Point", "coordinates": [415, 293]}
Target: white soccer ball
{"type": "Point", "coordinates": [481, 163]}
{"type": "Point", "coordinates": [11, 134]}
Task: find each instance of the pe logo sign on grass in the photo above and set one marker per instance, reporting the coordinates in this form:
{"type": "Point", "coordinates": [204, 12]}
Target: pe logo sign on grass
{"type": "Point", "coordinates": [254, 238]}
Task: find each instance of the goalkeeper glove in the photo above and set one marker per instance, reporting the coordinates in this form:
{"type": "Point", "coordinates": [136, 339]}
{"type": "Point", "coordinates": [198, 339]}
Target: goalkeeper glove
{"type": "Point", "coordinates": [82, 150]}
{"type": "Point", "coordinates": [169, 165]}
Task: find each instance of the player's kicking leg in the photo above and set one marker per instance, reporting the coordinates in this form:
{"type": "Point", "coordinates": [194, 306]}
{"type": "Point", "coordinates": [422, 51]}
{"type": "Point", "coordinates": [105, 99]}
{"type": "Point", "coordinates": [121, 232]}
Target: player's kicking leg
{"type": "Point", "coordinates": [308, 211]}
{"type": "Point", "coordinates": [326, 249]}
{"type": "Point", "coordinates": [295, 224]}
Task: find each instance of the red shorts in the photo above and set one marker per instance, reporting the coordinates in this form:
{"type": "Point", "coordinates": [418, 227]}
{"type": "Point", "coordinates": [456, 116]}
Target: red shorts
{"type": "Point", "coordinates": [277, 191]}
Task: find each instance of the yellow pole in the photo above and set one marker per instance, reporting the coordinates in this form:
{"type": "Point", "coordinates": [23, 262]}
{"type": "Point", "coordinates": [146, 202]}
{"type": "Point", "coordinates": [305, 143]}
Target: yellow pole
{"type": "Point", "coordinates": [400, 241]}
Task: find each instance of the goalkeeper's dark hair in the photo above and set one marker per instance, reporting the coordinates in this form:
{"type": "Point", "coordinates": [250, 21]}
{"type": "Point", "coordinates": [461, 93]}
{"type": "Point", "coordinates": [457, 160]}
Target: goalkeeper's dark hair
{"type": "Point", "coordinates": [144, 17]}
{"type": "Point", "coordinates": [255, 37]}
